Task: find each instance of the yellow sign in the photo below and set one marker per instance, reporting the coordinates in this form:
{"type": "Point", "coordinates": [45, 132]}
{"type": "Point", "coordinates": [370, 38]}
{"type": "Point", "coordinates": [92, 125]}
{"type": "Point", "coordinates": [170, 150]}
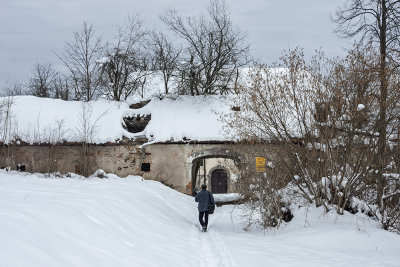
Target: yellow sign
{"type": "Point", "coordinates": [260, 164]}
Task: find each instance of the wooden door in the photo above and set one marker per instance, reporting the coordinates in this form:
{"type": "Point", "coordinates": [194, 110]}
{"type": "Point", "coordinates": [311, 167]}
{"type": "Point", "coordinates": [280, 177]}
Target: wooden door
{"type": "Point", "coordinates": [219, 182]}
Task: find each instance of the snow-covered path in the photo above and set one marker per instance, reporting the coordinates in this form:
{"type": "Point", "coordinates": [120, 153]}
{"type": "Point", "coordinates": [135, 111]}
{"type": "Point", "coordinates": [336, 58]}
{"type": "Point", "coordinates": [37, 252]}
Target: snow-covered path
{"type": "Point", "coordinates": [131, 222]}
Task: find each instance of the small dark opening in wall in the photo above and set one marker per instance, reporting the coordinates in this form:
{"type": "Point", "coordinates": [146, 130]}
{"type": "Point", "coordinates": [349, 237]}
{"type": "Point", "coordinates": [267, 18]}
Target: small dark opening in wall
{"type": "Point", "coordinates": [20, 167]}
{"type": "Point", "coordinates": [136, 123]}
{"type": "Point", "coordinates": [145, 167]}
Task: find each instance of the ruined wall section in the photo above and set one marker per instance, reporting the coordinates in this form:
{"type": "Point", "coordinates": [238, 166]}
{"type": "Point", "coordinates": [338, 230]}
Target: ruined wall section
{"type": "Point", "coordinates": [170, 164]}
{"type": "Point", "coordinates": [122, 160]}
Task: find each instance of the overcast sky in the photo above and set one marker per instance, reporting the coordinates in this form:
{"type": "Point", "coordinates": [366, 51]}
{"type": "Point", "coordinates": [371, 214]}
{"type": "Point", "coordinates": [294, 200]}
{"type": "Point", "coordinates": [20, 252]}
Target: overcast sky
{"type": "Point", "coordinates": [32, 30]}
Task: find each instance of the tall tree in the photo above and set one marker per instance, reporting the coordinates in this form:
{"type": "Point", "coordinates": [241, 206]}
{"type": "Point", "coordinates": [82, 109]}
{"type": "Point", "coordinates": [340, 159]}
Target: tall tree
{"type": "Point", "coordinates": [80, 56]}
{"type": "Point", "coordinates": [377, 21]}
{"type": "Point", "coordinates": [215, 48]}
{"type": "Point", "coordinates": [125, 64]}
{"type": "Point", "coordinates": [12, 88]}
{"type": "Point", "coordinates": [166, 57]}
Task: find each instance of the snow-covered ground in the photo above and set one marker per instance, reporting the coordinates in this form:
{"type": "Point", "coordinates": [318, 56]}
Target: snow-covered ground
{"type": "Point", "coordinates": [133, 222]}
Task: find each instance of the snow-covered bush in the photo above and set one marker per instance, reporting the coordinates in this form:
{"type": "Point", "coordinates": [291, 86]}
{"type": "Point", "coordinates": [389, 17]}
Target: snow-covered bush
{"type": "Point", "coordinates": [263, 194]}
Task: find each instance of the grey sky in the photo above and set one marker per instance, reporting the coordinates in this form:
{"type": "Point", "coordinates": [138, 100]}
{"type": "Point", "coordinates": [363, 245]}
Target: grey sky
{"type": "Point", "coordinates": [31, 30]}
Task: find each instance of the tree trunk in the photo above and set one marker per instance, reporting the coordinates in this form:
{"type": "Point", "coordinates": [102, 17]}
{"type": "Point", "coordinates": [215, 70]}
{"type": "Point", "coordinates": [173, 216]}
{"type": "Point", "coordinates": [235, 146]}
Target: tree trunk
{"type": "Point", "coordinates": [382, 124]}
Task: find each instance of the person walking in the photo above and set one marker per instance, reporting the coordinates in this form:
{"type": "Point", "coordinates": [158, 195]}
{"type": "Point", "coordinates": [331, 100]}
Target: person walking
{"type": "Point", "coordinates": [205, 199]}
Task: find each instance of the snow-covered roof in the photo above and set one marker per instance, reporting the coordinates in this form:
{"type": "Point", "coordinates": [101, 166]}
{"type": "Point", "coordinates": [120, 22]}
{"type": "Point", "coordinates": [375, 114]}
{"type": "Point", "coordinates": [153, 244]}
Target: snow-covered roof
{"type": "Point", "coordinates": [185, 118]}
{"type": "Point", "coordinates": [173, 118]}
{"type": "Point", "coordinates": [44, 120]}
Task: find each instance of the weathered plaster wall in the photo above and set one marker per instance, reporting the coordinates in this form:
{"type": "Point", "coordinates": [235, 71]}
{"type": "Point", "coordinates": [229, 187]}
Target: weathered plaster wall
{"type": "Point", "coordinates": [119, 159]}
{"type": "Point", "coordinates": [172, 163]}
{"type": "Point", "coordinates": [169, 163]}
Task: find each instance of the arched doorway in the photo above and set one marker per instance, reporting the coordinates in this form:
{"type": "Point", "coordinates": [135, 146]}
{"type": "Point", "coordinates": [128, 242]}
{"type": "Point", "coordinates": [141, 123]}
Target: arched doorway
{"type": "Point", "coordinates": [219, 181]}
{"type": "Point", "coordinates": [196, 158]}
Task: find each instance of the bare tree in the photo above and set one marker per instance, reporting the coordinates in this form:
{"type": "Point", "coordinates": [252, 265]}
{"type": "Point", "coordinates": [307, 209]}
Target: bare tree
{"type": "Point", "coordinates": [80, 56]}
{"type": "Point", "coordinates": [125, 64]}
{"type": "Point", "coordinates": [85, 132]}
{"type": "Point", "coordinates": [6, 119]}
{"type": "Point", "coordinates": [62, 87]}
{"type": "Point", "coordinates": [8, 128]}
{"type": "Point", "coordinates": [166, 57]}
{"type": "Point", "coordinates": [266, 205]}
{"type": "Point", "coordinates": [215, 48]}
{"type": "Point", "coordinates": [41, 84]}
{"type": "Point", "coordinates": [12, 88]}
{"type": "Point", "coordinates": [316, 121]}
{"type": "Point", "coordinates": [379, 21]}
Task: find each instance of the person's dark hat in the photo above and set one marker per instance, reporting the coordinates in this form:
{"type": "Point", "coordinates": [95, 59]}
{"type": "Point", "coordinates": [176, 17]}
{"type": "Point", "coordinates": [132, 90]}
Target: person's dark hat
{"type": "Point", "coordinates": [204, 187]}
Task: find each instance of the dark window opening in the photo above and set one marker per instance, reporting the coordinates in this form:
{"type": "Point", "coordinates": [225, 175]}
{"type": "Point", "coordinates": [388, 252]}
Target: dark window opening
{"type": "Point", "coordinates": [145, 167]}
{"type": "Point", "coordinates": [77, 169]}
{"type": "Point", "coordinates": [20, 167]}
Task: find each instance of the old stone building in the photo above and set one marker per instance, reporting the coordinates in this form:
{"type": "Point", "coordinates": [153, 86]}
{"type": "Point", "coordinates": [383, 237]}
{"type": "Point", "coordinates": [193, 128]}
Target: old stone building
{"type": "Point", "coordinates": [179, 145]}
{"type": "Point", "coordinates": [181, 165]}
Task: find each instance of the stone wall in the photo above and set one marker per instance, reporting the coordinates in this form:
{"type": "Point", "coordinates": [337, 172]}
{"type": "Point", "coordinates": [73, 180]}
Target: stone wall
{"type": "Point", "coordinates": [122, 160]}
{"type": "Point", "coordinates": [172, 163]}
{"type": "Point", "coordinates": [169, 163]}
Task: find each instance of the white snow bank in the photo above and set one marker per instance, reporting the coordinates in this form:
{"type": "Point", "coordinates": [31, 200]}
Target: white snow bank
{"type": "Point", "coordinates": [226, 197]}
{"type": "Point", "coordinates": [134, 222]}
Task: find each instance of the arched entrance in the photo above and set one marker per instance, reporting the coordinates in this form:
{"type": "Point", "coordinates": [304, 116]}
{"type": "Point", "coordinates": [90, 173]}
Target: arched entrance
{"type": "Point", "coordinates": [196, 159]}
{"type": "Point", "coordinates": [219, 181]}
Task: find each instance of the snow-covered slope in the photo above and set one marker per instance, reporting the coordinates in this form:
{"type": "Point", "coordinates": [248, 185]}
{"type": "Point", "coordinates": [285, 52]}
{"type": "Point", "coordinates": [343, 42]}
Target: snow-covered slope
{"type": "Point", "coordinates": [92, 222]}
{"type": "Point", "coordinates": [134, 222]}
{"type": "Point", "coordinates": [44, 120]}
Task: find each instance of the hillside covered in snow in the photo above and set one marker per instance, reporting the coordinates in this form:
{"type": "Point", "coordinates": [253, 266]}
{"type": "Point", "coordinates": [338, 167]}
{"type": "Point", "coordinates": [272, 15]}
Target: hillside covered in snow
{"type": "Point", "coordinates": [50, 221]}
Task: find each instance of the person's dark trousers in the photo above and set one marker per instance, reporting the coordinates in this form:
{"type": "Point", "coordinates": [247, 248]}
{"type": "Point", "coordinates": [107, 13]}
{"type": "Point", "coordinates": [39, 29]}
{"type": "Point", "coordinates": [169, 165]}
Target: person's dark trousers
{"type": "Point", "coordinates": [205, 214]}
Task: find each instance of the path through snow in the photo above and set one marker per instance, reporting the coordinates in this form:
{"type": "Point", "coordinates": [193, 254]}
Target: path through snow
{"type": "Point", "coordinates": [134, 222]}
{"type": "Point", "coordinates": [210, 248]}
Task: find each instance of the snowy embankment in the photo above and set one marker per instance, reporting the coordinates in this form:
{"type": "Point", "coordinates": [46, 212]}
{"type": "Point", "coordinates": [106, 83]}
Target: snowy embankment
{"type": "Point", "coordinates": [44, 120]}
{"type": "Point", "coordinates": [134, 222]}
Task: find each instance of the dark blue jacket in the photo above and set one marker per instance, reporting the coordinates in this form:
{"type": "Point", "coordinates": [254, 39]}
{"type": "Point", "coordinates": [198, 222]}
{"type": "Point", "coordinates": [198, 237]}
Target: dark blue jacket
{"type": "Point", "coordinates": [204, 197]}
